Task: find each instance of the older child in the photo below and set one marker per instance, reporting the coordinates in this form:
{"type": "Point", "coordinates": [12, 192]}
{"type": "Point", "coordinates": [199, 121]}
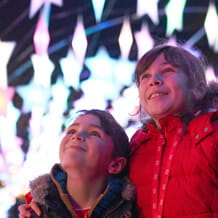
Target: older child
{"type": "Point", "coordinates": [90, 179]}
{"type": "Point", "coordinates": [174, 161]}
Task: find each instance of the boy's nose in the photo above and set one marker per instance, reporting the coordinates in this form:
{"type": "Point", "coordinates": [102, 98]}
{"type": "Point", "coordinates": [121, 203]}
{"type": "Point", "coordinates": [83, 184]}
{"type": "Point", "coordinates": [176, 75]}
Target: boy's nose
{"type": "Point", "coordinates": [156, 80]}
{"type": "Point", "coordinates": [79, 136]}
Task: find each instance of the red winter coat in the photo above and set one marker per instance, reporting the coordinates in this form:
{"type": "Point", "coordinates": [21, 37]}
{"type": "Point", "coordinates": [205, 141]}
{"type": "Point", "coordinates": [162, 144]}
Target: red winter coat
{"type": "Point", "coordinates": [180, 182]}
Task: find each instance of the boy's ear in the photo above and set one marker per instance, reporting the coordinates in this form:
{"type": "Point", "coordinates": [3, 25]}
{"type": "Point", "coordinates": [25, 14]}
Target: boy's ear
{"type": "Point", "coordinates": [117, 165]}
{"type": "Point", "coordinates": [199, 91]}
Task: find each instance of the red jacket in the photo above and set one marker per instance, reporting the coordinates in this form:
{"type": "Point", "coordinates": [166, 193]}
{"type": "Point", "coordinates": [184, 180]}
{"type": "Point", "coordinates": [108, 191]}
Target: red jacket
{"type": "Point", "coordinates": [180, 177]}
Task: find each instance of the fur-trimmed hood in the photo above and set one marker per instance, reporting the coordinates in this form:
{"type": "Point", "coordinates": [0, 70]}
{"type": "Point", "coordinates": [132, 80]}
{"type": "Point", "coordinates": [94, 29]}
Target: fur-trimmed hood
{"type": "Point", "coordinates": [117, 200]}
{"type": "Point", "coordinates": [40, 188]}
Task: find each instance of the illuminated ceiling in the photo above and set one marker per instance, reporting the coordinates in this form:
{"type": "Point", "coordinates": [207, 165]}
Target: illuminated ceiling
{"type": "Point", "coordinates": [40, 91]}
{"type": "Point", "coordinates": [15, 25]}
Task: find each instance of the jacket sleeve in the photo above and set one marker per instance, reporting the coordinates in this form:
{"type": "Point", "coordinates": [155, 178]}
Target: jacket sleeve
{"type": "Point", "coordinates": [208, 154]}
{"type": "Point", "coordinates": [28, 198]}
{"type": "Point", "coordinates": [45, 213]}
{"type": "Point", "coordinates": [214, 151]}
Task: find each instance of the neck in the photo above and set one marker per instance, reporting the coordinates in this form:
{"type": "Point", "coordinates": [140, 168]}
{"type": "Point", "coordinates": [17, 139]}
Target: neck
{"type": "Point", "coordinates": [184, 117]}
{"type": "Point", "coordinates": [83, 189]}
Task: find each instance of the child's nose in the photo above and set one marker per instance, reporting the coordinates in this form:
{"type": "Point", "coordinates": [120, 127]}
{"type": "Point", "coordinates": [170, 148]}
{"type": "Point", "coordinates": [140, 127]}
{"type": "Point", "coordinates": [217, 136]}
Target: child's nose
{"type": "Point", "coordinates": [156, 79]}
{"type": "Point", "coordinates": [79, 136]}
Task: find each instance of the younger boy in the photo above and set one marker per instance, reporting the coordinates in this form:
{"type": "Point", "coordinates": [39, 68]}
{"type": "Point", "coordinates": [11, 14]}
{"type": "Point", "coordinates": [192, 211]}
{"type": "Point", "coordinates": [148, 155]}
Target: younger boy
{"type": "Point", "coordinates": [90, 179]}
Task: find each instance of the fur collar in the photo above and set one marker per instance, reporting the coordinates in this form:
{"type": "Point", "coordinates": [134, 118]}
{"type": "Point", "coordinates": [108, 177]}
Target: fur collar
{"type": "Point", "coordinates": [41, 186]}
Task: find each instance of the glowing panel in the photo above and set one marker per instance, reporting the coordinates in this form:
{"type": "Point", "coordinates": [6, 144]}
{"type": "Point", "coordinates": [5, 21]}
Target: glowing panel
{"type": "Point", "coordinates": [79, 41]}
{"type": "Point", "coordinates": [125, 38]}
{"type": "Point", "coordinates": [6, 49]}
{"type": "Point", "coordinates": [151, 8]}
{"type": "Point", "coordinates": [211, 26]}
{"type": "Point", "coordinates": [174, 11]}
{"type": "Point", "coordinates": [71, 69]}
{"type": "Point", "coordinates": [35, 5]}
{"type": "Point", "coordinates": [41, 36]}
{"type": "Point", "coordinates": [43, 68]}
{"type": "Point", "coordinates": [144, 40]}
{"type": "Point", "coordinates": [98, 6]}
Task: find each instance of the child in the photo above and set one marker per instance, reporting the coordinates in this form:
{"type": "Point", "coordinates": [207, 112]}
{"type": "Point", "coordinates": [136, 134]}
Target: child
{"type": "Point", "coordinates": [174, 160]}
{"type": "Point", "coordinates": [90, 179]}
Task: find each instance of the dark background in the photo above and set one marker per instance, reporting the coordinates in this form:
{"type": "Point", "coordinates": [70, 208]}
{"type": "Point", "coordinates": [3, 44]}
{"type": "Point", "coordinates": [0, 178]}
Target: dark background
{"type": "Point", "coordinates": [15, 25]}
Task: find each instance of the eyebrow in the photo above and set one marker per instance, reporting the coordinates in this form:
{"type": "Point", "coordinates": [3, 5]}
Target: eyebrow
{"type": "Point", "coordinates": [166, 63]}
{"type": "Point", "coordinates": [92, 125]}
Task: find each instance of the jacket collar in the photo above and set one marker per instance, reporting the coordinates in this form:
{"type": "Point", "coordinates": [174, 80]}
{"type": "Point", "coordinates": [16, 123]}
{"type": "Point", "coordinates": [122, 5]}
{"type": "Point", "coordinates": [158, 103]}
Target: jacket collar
{"type": "Point", "coordinates": [168, 124]}
{"type": "Point", "coordinates": [200, 127]}
{"type": "Point", "coordinates": [117, 189]}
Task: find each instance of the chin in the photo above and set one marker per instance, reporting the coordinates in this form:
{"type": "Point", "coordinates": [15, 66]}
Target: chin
{"type": "Point", "coordinates": [72, 163]}
{"type": "Point", "coordinates": [160, 114]}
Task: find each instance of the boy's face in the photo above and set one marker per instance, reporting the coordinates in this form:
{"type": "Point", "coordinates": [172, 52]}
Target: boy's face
{"type": "Point", "coordinates": [86, 146]}
{"type": "Point", "coordinates": [164, 90]}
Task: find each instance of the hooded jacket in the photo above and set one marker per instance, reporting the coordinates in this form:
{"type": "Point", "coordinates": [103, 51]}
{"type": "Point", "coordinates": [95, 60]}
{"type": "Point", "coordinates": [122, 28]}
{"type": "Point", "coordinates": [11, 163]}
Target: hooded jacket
{"type": "Point", "coordinates": [49, 191]}
{"type": "Point", "coordinates": [175, 169]}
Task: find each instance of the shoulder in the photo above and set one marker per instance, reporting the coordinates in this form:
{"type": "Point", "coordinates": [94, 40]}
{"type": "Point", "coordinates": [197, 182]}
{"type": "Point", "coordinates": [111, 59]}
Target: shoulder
{"type": "Point", "coordinates": [40, 188]}
{"type": "Point", "coordinates": [205, 137]}
{"type": "Point", "coordinates": [119, 187]}
{"type": "Point", "coordinates": [139, 138]}
{"type": "Point", "coordinates": [207, 120]}
{"type": "Point", "coordinates": [129, 192]}
{"type": "Point", "coordinates": [203, 132]}
{"type": "Point", "coordinates": [119, 199]}
{"type": "Point", "coordinates": [128, 208]}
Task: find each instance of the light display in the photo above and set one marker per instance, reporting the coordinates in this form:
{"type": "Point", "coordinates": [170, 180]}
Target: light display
{"type": "Point", "coordinates": [86, 59]}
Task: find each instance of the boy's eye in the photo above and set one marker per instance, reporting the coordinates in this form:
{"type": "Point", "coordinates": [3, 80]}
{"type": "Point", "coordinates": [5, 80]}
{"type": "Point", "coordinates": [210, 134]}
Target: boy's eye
{"type": "Point", "coordinates": [169, 69]}
{"type": "Point", "coordinates": [71, 131]}
{"type": "Point", "coordinates": [144, 76]}
{"type": "Point", "coordinates": [95, 133]}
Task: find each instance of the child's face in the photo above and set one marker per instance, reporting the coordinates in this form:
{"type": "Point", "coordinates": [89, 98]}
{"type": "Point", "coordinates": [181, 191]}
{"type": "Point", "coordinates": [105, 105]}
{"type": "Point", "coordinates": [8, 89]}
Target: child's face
{"type": "Point", "coordinates": [86, 146]}
{"type": "Point", "coordinates": [164, 90]}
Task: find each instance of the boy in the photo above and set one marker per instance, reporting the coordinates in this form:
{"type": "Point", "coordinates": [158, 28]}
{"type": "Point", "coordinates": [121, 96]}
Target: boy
{"type": "Point", "coordinates": [90, 179]}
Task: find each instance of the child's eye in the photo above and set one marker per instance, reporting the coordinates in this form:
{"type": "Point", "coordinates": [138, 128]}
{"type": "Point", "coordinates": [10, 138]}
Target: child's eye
{"type": "Point", "coordinates": [95, 133]}
{"type": "Point", "coordinates": [168, 69]}
{"type": "Point", "coordinates": [71, 131]}
{"type": "Point", "coordinates": [144, 76]}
